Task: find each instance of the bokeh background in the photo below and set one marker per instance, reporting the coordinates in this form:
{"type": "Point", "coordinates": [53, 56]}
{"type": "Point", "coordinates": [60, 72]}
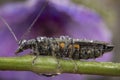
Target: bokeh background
{"type": "Point", "coordinates": [102, 13]}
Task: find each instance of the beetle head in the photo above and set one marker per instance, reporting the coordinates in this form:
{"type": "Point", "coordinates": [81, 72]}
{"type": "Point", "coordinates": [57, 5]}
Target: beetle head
{"type": "Point", "coordinates": [22, 46]}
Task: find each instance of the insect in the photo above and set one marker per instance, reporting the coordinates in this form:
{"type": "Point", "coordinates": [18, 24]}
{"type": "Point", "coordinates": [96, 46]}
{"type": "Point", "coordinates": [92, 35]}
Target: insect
{"type": "Point", "coordinates": [62, 47]}
{"type": "Point", "coordinates": [65, 47]}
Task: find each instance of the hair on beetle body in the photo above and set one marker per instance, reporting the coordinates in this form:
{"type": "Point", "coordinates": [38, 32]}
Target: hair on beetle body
{"type": "Point", "coordinates": [65, 47]}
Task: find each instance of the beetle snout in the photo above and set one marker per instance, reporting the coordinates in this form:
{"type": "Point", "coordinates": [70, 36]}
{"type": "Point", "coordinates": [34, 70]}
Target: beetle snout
{"type": "Point", "coordinates": [18, 51]}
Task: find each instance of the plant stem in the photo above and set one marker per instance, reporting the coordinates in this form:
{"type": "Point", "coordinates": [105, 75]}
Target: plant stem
{"type": "Point", "coordinates": [50, 65]}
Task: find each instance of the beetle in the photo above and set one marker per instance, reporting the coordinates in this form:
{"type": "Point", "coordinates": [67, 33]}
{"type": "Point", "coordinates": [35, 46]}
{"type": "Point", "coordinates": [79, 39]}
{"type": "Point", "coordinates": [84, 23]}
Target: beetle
{"type": "Point", "coordinates": [65, 47]}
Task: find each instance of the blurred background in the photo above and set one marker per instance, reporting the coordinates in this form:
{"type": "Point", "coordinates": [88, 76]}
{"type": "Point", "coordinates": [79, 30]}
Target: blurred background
{"type": "Point", "coordinates": [109, 12]}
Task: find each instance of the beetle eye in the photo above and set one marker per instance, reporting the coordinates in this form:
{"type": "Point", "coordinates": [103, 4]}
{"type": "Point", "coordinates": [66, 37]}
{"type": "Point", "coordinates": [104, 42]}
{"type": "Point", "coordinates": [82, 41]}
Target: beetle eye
{"type": "Point", "coordinates": [21, 42]}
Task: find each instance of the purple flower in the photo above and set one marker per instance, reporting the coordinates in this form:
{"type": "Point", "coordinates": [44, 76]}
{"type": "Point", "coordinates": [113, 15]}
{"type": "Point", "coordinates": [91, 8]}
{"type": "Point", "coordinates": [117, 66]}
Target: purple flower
{"type": "Point", "coordinates": [58, 18]}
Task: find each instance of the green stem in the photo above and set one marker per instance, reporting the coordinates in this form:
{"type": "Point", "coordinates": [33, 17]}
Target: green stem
{"type": "Point", "coordinates": [50, 65]}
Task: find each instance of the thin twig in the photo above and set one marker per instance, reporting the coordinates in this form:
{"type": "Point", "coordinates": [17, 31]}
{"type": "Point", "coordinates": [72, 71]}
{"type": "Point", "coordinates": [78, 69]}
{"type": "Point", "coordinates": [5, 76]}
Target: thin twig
{"type": "Point", "coordinates": [50, 65]}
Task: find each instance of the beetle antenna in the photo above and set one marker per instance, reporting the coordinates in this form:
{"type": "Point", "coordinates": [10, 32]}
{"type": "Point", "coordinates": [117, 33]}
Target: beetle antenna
{"type": "Point", "coordinates": [39, 13]}
{"type": "Point", "coordinates": [10, 29]}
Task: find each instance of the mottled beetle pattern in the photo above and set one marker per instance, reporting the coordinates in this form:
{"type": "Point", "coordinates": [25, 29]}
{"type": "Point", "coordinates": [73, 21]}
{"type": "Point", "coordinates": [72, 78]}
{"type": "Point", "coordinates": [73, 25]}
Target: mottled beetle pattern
{"type": "Point", "coordinates": [65, 47]}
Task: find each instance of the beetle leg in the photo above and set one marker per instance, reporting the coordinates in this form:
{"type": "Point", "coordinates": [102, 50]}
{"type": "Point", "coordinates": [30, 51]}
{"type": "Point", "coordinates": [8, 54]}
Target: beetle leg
{"type": "Point", "coordinates": [36, 51]}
